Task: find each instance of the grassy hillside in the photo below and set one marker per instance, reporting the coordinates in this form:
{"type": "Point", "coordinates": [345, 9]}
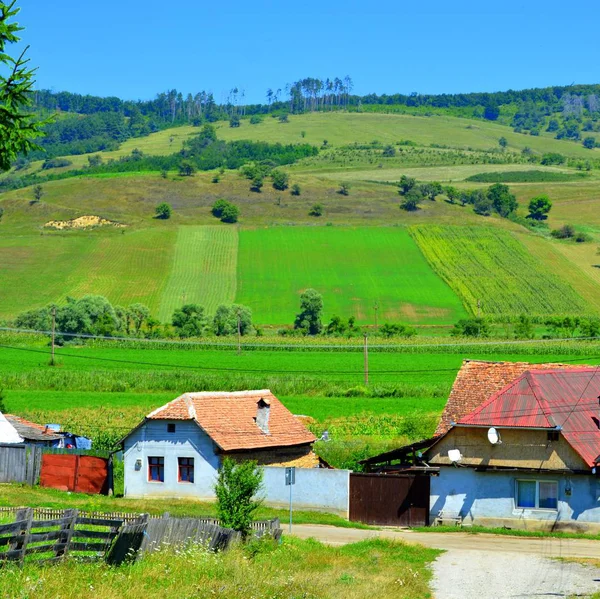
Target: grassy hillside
{"type": "Point", "coordinates": [352, 268]}
{"type": "Point", "coordinates": [363, 258]}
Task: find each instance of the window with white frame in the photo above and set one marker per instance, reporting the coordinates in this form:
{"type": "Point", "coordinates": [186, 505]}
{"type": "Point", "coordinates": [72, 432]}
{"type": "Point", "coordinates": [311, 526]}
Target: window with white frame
{"type": "Point", "coordinates": [537, 494]}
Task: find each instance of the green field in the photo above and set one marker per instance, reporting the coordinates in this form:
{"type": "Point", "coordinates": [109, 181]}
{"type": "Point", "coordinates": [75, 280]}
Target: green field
{"type": "Point", "coordinates": [353, 268]}
{"type": "Point", "coordinates": [492, 272]}
{"type": "Point", "coordinates": [204, 269]}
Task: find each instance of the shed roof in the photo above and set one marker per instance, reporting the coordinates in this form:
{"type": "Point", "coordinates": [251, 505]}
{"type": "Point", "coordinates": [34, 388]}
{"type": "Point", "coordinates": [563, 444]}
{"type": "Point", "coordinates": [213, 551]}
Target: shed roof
{"type": "Point", "coordinates": [30, 431]}
{"type": "Point", "coordinates": [229, 418]}
{"type": "Point", "coordinates": [478, 380]}
{"type": "Point", "coordinates": [566, 399]}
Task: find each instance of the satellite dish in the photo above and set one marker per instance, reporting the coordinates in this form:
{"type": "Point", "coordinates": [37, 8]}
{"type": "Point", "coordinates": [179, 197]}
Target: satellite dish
{"type": "Point", "coordinates": [493, 436]}
{"type": "Point", "coordinates": [454, 456]}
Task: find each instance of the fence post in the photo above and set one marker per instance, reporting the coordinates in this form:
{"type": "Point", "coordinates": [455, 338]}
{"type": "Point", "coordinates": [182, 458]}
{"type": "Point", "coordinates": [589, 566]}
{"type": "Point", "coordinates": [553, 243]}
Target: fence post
{"type": "Point", "coordinates": [61, 547]}
{"type": "Point", "coordinates": [20, 542]}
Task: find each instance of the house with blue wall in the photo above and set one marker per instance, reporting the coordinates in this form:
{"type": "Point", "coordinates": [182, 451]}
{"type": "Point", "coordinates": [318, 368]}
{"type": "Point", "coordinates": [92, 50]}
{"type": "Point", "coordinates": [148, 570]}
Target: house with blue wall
{"type": "Point", "coordinates": [177, 449]}
{"type": "Point", "coordinates": [527, 455]}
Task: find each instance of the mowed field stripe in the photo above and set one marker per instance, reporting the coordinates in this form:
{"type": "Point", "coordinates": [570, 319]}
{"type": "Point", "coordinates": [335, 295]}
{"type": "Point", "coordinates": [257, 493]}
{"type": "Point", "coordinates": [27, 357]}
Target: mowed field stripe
{"type": "Point", "coordinates": [203, 269]}
{"type": "Point", "coordinates": [490, 266]}
{"type": "Point", "coordinates": [353, 268]}
{"type": "Point", "coordinates": [127, 267]}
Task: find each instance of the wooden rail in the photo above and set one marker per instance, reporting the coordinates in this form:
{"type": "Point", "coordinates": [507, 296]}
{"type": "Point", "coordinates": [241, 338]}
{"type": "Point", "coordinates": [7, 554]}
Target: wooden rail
{"type": "Point", "coordinates": [51, 534]}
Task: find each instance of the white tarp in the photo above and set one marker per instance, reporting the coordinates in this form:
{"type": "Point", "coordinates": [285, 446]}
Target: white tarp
{"type": "Point", "coordinates": [8, 433]}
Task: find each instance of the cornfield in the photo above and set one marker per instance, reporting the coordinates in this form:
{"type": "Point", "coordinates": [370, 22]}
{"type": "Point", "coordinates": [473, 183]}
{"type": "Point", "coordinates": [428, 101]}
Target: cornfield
{"type": "Point", "coordinates": [493, 273]}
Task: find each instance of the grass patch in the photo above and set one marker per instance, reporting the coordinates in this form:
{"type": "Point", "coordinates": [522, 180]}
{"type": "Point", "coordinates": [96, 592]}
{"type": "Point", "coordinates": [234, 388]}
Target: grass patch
{"type": "Point", "coordinates": [531, 176]}
{"type": "Point", "coordinates": [510, 532]}
{"type": "Point", "coordinates": [296, 568]}
{"type": "Point", "coordinates": [203, 270]}
{"type": "Point", "coordinates": [14, 495]}
{"type": "Point", "coordinates": [352, 268]}
{"type": "Point", "coordinates": [490, 266]}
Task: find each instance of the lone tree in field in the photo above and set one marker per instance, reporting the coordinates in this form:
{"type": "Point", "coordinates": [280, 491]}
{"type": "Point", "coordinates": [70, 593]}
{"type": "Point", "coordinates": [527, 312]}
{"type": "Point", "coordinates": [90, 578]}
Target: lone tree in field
{"type": "Point", "coordinates": [38, 192]}
{"type": "Point", "coordinates": [234, 121]}
{"type": "Point", "coordinates": [18, 129]}
{"type": "Point", "coordinates": [539, 207]}
{"type": "Point", "coordinates": [316, 210]}
{"type": "Point", "coordinates": [410, 201]}
{"type": "Point", "coordinates": [163, 211]}
{"type": "Point", "coordinates": [281, 180]}
{"type": "Point", "coordinates": [502, 142]}
{"type": "Point", "coordinates": [186, 168]}
{"type": "Point", "coordinates": [406, 184]}
{"type": "Point", "coordinates": [296, 189]}
{"type": "Point", "coordinates": [344, 189]}
{"type": "Point", "coordinates": [311, 308]}
{"type": "Point", "coordinates": [236, 488]}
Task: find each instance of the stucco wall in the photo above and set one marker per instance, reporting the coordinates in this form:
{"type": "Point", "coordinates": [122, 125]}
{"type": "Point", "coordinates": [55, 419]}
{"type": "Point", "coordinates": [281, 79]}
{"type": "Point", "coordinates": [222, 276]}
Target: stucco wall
{"type": "Point", "coordinates": [188, 440]}
{"type": "Point", "coordinates": [315, 489]}
{"type": "Point", "coordinates": [519, 449]}
{"type": "Point", "coordinates": [488, 498]}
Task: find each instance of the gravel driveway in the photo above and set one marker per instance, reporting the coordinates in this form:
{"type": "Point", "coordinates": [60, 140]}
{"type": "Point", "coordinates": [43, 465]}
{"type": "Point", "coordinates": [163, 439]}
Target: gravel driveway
{"type": "Point", "coordinates": [490, 566]}
{"type": "Point", "coordinates": [470, 574]}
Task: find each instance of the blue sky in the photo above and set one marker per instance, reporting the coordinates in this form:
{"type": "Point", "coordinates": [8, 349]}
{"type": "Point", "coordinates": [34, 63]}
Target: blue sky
{"type": "Point", "coordinates": [136, 48]}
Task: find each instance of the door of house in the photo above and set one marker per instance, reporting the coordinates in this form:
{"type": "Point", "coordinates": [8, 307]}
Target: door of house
{"type": "Point", "coordinates": [390, 499]}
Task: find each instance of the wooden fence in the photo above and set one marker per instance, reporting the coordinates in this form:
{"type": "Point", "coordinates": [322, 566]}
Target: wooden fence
{"type": "Point", "coordinates": [124, 536]}
{"type": "Point", "coordinates": [53, 539]}
{"type": "Point", "coordinates": [20, 463]}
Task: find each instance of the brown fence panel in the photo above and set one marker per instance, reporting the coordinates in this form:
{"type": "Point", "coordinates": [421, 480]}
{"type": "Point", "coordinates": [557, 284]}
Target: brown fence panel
{"type": "Point", "coordinates": [390, 500]}
{"type": "Point", "coordinates": [81, 474]}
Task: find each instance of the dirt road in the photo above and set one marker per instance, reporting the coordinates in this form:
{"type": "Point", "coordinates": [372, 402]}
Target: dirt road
{"type": "Point", "coordinates": [489, 566]}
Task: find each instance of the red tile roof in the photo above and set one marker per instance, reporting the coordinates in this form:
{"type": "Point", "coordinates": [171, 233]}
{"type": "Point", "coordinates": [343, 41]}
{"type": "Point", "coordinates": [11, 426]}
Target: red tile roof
{"type": "Point", "coordinates": [477, 381]}
{"type": "Point", "coordinates": [229, 419]}
{"type": "Point", "coordinates": [567, 399]}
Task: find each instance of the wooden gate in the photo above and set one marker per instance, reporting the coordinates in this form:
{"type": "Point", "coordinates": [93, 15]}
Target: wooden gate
{"type": "Point", "coordinates": [390, 499]}
{"type": "Point", "coordinates": [77, 473]}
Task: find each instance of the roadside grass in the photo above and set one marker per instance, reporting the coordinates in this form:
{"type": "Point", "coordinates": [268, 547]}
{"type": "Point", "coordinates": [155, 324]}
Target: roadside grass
{"type": "Point", "coordinates": [294, 568]}
{"type": "Point", "coordinates": [203, 270]}
{"type": "Point", "coordinates": [17, 495]}
{"type": "Point", "coordinates": [491, 271]}
{"type": "Point", "coordinates": [354, 269]}
{"type": "Point", "coordinates": [511, 532]}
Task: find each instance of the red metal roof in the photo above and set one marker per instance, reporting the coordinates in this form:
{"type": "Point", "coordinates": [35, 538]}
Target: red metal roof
{"type": "Point", "coordinates": [478, 380]}
{"type": "Point", "coordinates": [567, 399]}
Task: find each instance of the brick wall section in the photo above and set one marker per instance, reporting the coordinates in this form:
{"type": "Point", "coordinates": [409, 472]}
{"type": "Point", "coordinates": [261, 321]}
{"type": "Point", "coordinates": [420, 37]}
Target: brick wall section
{"type": "Point", "coordinates": [301, 457]}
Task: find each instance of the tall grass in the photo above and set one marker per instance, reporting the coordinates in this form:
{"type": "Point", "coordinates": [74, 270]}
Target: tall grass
{"type": "Point", "coordinates": [296, 568]}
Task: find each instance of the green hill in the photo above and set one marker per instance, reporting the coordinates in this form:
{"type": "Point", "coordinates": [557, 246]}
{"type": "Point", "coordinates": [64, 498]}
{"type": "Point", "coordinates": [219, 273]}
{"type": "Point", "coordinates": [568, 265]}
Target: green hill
{"type": "Point", "coordinates": [277, 249]}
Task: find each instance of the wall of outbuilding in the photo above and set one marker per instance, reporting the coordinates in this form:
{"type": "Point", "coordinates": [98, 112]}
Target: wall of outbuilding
{"type": "Point", "coordinates": [488, 499]}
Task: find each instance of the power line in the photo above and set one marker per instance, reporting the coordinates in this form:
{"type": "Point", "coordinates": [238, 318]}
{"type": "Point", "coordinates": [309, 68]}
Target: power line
{"type": "Point", "coordinates": [315, 347]}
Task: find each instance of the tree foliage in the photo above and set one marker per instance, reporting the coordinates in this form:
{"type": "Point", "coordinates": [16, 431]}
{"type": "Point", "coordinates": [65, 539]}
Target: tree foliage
{"type": "Point", "coordinates": [225, 321]}
{"type": "Point", "coordinates": [163, 211]}
{"type": "Point", "coordinates": [539, 207]}
{"type": "Point", "coordinates": [190, 321]}
{"type": "Point", "coordinates": [18, 129]}
{"type": "Point", "coordinates": [236, 488]}
{"type": "Point", "coordinates": [471, 327]}
{"type": "Point", "coordinates": [311, 308]}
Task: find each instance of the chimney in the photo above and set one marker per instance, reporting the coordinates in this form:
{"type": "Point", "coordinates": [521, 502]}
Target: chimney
{"type": "Point", "coordinates": [262, 415]}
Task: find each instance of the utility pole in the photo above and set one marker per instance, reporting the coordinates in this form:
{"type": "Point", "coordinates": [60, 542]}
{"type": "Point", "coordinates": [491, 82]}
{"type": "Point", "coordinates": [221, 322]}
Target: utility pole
{"type": "Point", "coordinates": [376, 307]}
{"type": "Point", "coordinates": [366, 351]}
{"type": "Point", "coordinates": [239, 327]}
{"type": "Point", "coordinates": [53, 331]}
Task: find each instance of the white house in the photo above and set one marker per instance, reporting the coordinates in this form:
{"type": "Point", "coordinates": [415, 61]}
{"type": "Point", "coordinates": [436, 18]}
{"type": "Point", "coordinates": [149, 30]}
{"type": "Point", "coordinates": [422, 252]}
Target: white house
{"type": "Point", "coordinates": [177, 449]}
